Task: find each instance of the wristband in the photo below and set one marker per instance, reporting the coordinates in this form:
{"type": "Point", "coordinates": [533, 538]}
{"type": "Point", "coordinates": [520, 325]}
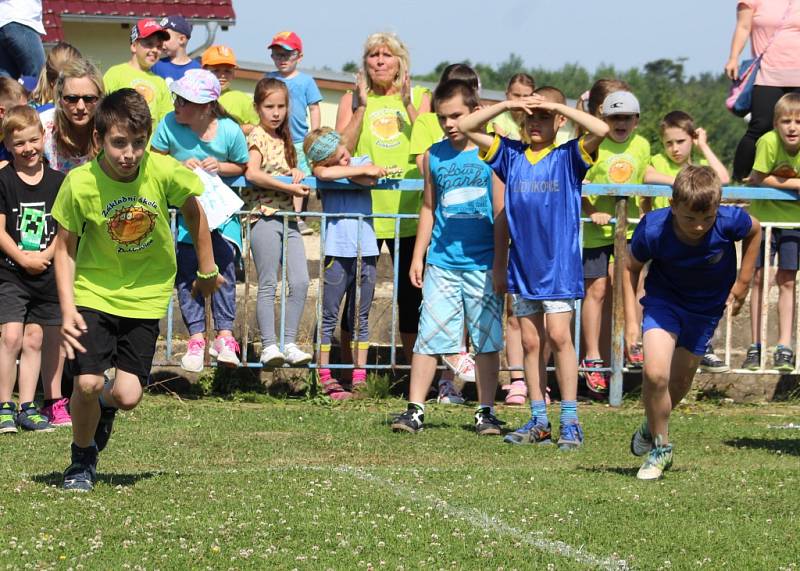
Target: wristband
{"type": "Point", "coordinates": [209, 275]}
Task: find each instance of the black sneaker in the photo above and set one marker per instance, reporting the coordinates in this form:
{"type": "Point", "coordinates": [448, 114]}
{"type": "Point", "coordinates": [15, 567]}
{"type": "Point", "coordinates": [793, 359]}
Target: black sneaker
{"type": "Point", "coordinates": [81, 475]}
{"type": "Point", "coordinates": [410, 421]}
{"type": "Point", "coordinates": [752, 362]}
{"type": "Point", "coordinates": [29, 418]}
{"type": "Point", "coordinates": [104, 426]}
{"type": "Point", "coordinates": [486, 423]}
{"type": "Point", "coordinates": [711, 363]}
{"type": "Point", "coordinates": [783, 359]}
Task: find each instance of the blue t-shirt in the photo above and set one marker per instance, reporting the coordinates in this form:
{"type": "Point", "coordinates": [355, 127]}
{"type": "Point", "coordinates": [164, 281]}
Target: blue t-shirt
{"type": "Point", "coordinates": [179, 141]}
{"type": "Point", "coordinates": [5, 154]}
{"type": "Point", "coordinates": [463, 233]}
{"type": "Point", "coordinates": [171, 71]}
{"type": "Point", "coordinates": [341, 234]}
{"type": "Point", "coordinates": [697, 278]}
{"type": "Point", "coordinates": [543, 208]}
{"type": "Point", "coordinates": [303, 91]}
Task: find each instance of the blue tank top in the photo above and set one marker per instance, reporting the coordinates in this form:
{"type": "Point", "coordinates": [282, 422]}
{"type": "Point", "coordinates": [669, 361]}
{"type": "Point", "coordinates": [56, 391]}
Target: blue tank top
{"type": "Point", "coordinates": [462, 237]}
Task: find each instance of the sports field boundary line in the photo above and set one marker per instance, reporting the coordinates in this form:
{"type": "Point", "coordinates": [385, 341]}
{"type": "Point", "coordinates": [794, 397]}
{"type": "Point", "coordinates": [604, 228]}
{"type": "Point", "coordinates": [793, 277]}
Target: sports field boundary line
{"type": "Point", "coordinates": [484, 522]}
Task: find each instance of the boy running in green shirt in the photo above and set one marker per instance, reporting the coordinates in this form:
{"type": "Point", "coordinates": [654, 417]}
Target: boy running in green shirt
{"type": "Point", "coordinates": [116, 284]}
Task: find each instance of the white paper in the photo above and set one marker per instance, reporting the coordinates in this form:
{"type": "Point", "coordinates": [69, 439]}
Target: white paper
{"type": "Point", "coordinates": [218, 200]}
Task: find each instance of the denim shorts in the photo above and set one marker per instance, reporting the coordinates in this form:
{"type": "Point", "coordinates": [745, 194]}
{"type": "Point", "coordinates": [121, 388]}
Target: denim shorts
{"type": "Point", "coordinates": [523, 307]}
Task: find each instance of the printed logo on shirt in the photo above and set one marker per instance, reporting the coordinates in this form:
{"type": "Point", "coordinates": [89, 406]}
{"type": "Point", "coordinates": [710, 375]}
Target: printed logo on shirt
{"type": "Point", "coordinates": [32, 225]}
{"type": "Point", "coordinates": [386, 126]}
{"type": "Point", "coordinates": [526, 186]}
{"type": "Point", "coordinates": [620, 169]}
{"type": "Point", "coordinates": [130, 223]}
{"type": "Point", "coordinates": [715, 259]}
{"type": "Point", "coordinates": [784, 170]}
{"type": "Point", "coordinates": [145, 89]}
{"type": "Point", "coordinates": [465, 190]}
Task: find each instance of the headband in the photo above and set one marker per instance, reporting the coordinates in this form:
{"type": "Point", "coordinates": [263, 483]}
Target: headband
{"type": "Point", "coordinates": [323, 147]}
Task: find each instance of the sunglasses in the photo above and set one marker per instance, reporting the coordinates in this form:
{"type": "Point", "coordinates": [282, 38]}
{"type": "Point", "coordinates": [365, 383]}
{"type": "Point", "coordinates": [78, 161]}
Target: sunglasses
{"type": "Point", "coordinates": [87, 99]}
{"type": "Point", "coordinates": [179, 101]}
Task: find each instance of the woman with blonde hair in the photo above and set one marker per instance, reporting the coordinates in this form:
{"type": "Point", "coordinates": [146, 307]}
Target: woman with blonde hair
{"type": "Point", "coordinates": [375, 120]}
{"type": "Point", "coordinates": [68, 128]}
{"type": "Point", "coordinates": [57, 58]}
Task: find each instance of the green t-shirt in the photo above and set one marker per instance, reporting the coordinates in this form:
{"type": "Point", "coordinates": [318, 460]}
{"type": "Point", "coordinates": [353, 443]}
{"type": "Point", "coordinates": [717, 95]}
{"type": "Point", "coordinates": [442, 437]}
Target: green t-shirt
{"type": "Point", "coordinates": [507, 123]}
{"type": "Point", "coordinates": [240, 106]}
{"type": "Point", "coordinates": [385, 137]}
{"type": "Point", "coordinates": [617, 163]}
{"type": "Point", "coordinates": [125, 264]}
{"type": "Point", "coordinates": [663, 164]}
{"type": "Point", "coordinates": [772, 158]}
{"type": "Point", "coordinates": [150, 86]}
{"type": "Point", "coordinates": [426, 132]}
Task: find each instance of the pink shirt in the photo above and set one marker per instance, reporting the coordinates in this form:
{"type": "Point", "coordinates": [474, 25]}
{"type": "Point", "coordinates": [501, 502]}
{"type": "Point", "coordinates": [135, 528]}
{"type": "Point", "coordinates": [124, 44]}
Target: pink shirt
{"type": "Point", "coordinates": [780, 66]}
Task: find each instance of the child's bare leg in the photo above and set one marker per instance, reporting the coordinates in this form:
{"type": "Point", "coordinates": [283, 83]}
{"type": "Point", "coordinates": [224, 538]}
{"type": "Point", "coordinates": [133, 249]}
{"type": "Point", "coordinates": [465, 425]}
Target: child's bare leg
{"type": "Point", "coordinates": [755, 305]}
{"type": "Point", "coordinates": [124, 392]}
{"type": "Point", "coordinates": [684, 367]}
{"type": "Point", "coordinates": [532, 330]}
{"type": "Point", "coordinates": [659, 348]}
{"type": "Point", "coordinates": [30, 362]}
{"type": "Point", "coordinates": [559, 335]}
{"type": "Point", "coordinates": [362, 356]}
{"type": "Point", "coordinates": [85, 408]}
{"type": "Point", "coordinates": [785, 280]}
{"type": "Point", "coordinates": [52, 363]}
{"type": "Point", "coordinates": [514, 354]}
{"type": "Point", "coordinates": [423, 368]}
{"type": "Point", "coordinates": [633, 319]}
{"type": "Point", "coordinates": [486, 369]}
{"type": "Point", "coordinates": [592, 316]}
{"type": "Point", "coordinates": [10, 347]}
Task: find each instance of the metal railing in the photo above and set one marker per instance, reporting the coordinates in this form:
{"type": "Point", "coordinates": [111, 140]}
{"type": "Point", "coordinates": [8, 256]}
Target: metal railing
{"type": "Point", "coordinates": [621, 192]}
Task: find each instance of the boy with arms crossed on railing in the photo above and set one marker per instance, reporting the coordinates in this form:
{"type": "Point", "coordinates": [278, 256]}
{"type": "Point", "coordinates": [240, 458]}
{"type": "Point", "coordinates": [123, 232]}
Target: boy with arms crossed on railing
{"type": "Point", "coordinates": [692, 277]}
{"type": "Point", "coordinates": [540, 212]}
{"type": "Point", "coordinates": [777, 164]}
{"type": "Point", "coordinates": [116, 284]}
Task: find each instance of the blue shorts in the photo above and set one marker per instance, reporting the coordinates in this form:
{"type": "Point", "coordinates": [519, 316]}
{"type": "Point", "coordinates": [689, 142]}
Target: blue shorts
{"type": "Point", "coordinates": [451, 298]}
{"type": "Point", "coordinates": [693, 330]}
{"type": "Point", "coordinates": [786, 242]}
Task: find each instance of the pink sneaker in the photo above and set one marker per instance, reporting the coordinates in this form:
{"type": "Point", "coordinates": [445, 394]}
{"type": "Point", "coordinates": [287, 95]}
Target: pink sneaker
{"type": "Point", "coordinates": [225, 349]}
{"type": "Point", "coordinates": [57, 412]}
{"type": "Point", "coordinates": [192, 361]}
{"type": "Point", "coordinates": [334, 390]}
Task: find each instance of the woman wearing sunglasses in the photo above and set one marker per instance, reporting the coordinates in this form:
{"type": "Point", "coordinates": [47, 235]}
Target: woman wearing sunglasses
{"type": "Point", "coordinates": [69, 127]}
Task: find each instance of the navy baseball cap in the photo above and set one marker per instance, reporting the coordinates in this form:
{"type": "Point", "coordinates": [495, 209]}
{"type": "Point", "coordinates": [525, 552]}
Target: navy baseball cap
{"type": "Point", "coordinates": [177, 23]}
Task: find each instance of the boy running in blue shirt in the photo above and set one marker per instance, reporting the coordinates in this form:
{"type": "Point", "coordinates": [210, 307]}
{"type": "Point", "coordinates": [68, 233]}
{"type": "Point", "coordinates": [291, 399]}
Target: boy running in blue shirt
{"type": "Point", "coordinates": [692, 278]}
{"type": "Point", "coordinates": [540, 213]}
{"type": "Point", "coordinates": [456, 220]}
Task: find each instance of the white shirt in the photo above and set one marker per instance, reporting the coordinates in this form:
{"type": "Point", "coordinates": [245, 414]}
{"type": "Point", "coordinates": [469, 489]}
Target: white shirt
{"type": "Point", "coordinates": [26, 12]}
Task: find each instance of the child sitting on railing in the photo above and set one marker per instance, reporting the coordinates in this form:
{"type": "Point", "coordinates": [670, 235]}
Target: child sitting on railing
{"type": "Point", "coordinates": [346, 240]}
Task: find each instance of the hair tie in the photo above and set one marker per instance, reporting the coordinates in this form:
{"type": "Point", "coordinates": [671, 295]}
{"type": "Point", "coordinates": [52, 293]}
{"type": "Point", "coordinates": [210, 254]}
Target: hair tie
{"type": "Point", "coordinates": [585, 95]}
{"type": "Point", "coordinates": [323, 147]}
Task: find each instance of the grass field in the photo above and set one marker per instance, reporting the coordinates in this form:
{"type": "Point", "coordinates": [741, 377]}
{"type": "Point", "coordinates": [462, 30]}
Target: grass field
{"type": "Point", "coordinates": [299, 484]}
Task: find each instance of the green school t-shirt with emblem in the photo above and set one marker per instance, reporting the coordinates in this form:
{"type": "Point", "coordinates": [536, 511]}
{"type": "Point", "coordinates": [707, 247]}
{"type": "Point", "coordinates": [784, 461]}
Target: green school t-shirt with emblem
{"type": "Point", "coordinates": [617, 163]}
{"type": "Point", "coordinates": [385, 137]}
{"type": "Point", "coordinates": [239, 105]}
{"type": "Point", "coordinates": [125, 264]}
{"type": "Point", "coordinates": [150, 86]}
{"type": "Point", "coordinates": [666, 166]}
{"type": "Point", "coordinates": [506, 122]}
{"type": "Point", "coordinates": [426, 132]}
{"type": "Point", "coordinates": [772, 159]}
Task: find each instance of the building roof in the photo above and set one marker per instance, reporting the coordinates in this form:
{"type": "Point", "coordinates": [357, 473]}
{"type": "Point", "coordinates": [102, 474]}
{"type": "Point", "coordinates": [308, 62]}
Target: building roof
{"type": "Point", "coordinates": [128, 11]}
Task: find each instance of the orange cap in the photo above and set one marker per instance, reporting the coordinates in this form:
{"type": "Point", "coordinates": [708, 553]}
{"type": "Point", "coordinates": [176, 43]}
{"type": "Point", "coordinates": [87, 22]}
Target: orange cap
{"type": "Point", "coordinates": [218, 55]}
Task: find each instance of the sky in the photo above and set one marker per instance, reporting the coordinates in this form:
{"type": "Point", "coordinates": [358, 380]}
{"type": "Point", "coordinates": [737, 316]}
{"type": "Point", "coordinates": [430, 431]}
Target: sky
{"type": "Point", "coordinates": [545, 33]}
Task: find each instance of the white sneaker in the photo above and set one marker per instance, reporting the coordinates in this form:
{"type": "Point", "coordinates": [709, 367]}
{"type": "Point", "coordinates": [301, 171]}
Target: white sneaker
{"type": "Point", "coordinates": [225, 349]}
{"type": "Point", "coordinates": [464, 367]}
{"type": "Point", "coordinates": [296, 356]}
{"type": "Point", "coordinates": [192, 361]}
{"type": "Point", "coordinates": [272, 357]}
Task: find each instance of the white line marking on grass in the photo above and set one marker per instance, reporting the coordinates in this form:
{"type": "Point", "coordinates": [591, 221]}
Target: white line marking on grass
{"type": "Point", "coordinates": [790, 426]}
{"type": "Point", "coordinates": [484, 522]}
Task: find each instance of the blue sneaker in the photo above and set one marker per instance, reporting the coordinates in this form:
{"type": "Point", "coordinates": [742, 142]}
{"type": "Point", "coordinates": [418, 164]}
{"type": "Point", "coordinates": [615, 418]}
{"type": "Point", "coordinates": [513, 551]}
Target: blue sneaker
{"type": "Point", "coordinates": [530, 433]}
{"type": "Point", "coordinates": [29, 418]}
{"type": "Point", "coordinates": [81, 475]}
{"type": "Point", "coordinates": [570, 436]}
{"type": "Point", "coordinates": [8, 418]}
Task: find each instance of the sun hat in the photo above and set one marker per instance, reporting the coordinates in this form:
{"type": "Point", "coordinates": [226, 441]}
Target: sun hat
{"type": "Point", "coordinates": [198, 86]}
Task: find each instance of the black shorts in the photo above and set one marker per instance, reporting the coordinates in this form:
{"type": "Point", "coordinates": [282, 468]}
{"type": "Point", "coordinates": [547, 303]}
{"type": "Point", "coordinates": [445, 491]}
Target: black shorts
{"type": "Point", "coordinates": [20, 305]}
{"type": "Point", "coordinates": [595, 261]}
{"type": "Point", "coordinates": [786, 242]}
{"type": "Point", "coordinates": [127, 343]}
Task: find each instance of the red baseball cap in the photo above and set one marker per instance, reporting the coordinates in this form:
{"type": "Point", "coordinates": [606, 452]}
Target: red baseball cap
{"type": "Point", "coordinates": [146, 28]}
{"type": "Point", "coordinates": [288, 41]}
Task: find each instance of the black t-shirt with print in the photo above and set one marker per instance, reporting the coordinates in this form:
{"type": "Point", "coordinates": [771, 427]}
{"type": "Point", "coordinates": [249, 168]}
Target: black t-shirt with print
{"type": "Point", "coordinates": [29, 223]}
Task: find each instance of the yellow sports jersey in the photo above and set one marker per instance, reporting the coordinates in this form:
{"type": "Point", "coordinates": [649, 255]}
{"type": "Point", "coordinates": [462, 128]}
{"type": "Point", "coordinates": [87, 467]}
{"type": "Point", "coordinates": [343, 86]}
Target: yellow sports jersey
{"type": "Point", "coordinates": [617, 163]}
{"type": "Point", "coordinates": [150, 86]}
{"type": "Point", "coordinates": [772, 158]}
{"type": "Point", "coordinates": [663, 164]}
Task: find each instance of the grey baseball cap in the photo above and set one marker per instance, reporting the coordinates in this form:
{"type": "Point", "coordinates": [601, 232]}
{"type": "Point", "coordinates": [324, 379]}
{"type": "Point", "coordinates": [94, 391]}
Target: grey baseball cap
{"type": "Point", "coordinates": [621, 103]}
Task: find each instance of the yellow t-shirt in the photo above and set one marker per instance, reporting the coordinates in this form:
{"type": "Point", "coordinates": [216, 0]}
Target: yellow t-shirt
{"type": "Point", "coordinates": [772, 158]}
{"type": "Point", "coordinates": [150, 86]}
{"type": "Point", "coordinates": [426, 132]}
{"type": "Point", "coordinates": [617, 163]}
{"type": "Point", "coordinates": [240, 106]}
{"type": "Point", "coordinates": [125, 264]}
{"type": "Point", "coordinates": [509, 126]}
{"type": "Point", "coordinates": [663, 164]}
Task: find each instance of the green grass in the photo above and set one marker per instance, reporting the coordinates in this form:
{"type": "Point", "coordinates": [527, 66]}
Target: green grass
{"type": "Point", "coordinates": [297, 484]}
